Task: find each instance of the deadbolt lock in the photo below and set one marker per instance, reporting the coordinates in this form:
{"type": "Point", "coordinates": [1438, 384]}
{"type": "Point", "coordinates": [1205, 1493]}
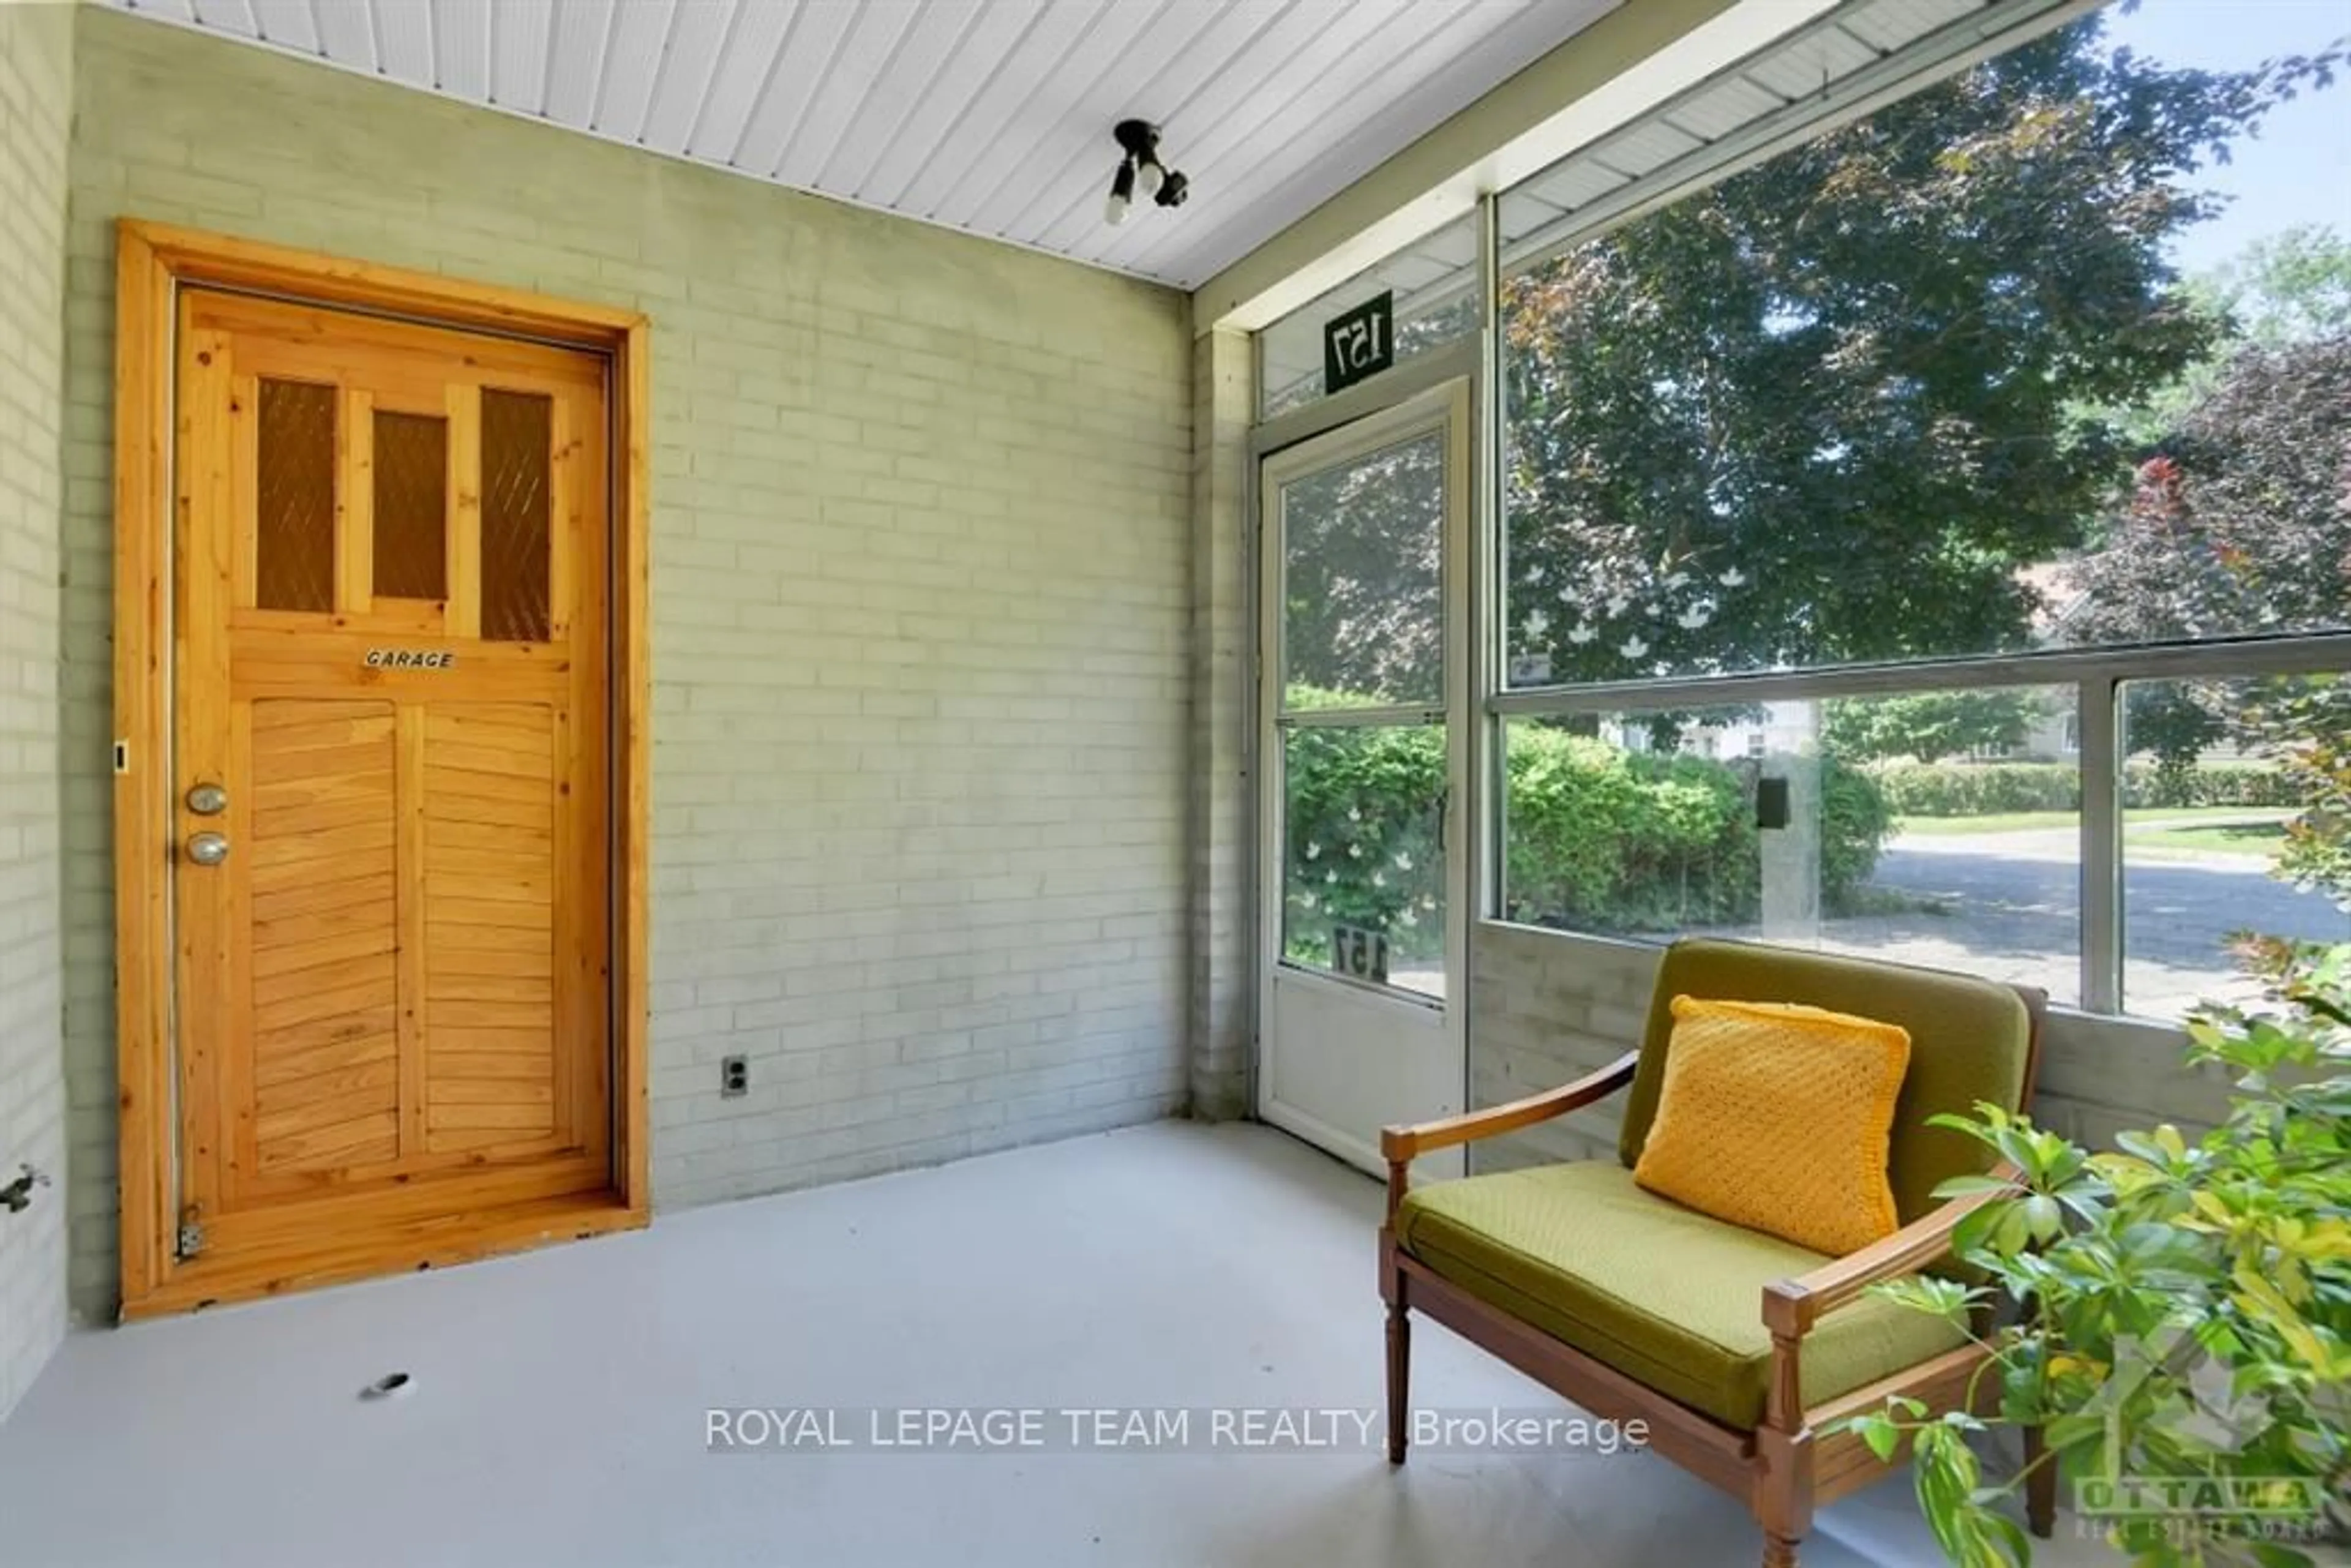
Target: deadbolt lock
{"type": "Point", "coordinates": [208, 848]}
{"type": "Point", "coordinates": [207, 799]}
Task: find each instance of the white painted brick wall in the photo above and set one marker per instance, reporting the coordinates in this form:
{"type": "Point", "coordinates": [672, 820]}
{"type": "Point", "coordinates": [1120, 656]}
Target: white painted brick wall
{"type": "Point", "coordinates": [35, 112]}
{"type": "Point", "coordinates": [920, 613]}
{"type": "Point", "coordinates": [1547, 1007]}
{"type": "Point", "coordinates": [1224, 405]}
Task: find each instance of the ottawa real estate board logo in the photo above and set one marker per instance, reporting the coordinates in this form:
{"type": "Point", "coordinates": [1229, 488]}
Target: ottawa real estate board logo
{"type": "Point", "coordinates": [2214, 1419]}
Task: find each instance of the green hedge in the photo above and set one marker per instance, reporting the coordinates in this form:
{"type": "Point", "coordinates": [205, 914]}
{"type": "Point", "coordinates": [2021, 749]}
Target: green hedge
{"type": "Point", "coordinates": [2210, 784]}
{"type": "Point", "coordinates": [1982, 788]}
{"type": "Point", "coordinates": [1977, 789]}
{"type": "Point", "coordinates": [1855, 819]}
{"type": "Point", "coordinates": [1364, 808]}
{"type": "Point", "coordinates": [1600, 839]}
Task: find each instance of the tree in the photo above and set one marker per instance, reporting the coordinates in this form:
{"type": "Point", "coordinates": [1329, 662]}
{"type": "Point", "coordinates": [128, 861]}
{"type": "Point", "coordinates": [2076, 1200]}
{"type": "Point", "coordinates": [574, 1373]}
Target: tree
{"type": "Point", "coordinates": [2242, 522]}
{"type": "Point", "coordinates": [2307, 727]}
{"type": "Point", "coordinates": [2289, 288]}
{"type": "Point", "coordinates": [2241, 525]}
{"type": "Point", "coordinates": [1927, 726]}
{"type": "Point", "coordinates": [1361, 549]}
{"type": "Point", "coordinates": [1826, 410]}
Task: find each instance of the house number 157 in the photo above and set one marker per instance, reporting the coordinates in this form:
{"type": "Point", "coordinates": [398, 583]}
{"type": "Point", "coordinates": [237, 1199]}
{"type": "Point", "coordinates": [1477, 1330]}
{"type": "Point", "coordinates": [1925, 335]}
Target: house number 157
{"type": "Point", "coordinates": [1359, 344]}
{"type": "Point", "coordinates": [1359, 954]}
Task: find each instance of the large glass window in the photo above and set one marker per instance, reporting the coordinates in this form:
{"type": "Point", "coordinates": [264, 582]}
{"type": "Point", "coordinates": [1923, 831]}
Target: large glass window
{"type": "Point", "coordinates": [1935, 828]}
{"type": "Point", "coordinates": [1999, 442]}
{"type": "Point", "coordinates": [1363, 605]}
{"type": "Point", "coordinates": [1932, 384]}
{"type": "Point", "coordinates": [2236, 826]}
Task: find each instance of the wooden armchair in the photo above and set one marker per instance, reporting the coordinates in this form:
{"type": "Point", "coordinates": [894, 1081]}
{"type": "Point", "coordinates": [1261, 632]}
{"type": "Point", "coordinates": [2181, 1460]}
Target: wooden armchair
{"type": "Point", "coordinates": [1627, 1303]}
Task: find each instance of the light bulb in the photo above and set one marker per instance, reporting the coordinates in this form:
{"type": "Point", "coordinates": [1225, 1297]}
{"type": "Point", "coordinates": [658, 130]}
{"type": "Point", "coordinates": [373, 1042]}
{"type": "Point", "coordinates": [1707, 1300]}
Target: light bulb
{"type": "Point", "coordinates": [1121, 193]}
{"type": "Point", "coordinates": [1146, 180]}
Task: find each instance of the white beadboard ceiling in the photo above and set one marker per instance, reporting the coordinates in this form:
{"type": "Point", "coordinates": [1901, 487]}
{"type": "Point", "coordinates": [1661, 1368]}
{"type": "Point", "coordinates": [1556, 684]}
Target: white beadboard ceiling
{"type": "Point", "coordinates": [990, 116]}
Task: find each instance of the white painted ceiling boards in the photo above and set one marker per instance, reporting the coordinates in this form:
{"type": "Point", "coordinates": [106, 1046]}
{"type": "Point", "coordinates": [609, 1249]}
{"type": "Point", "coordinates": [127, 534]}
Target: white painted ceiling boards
{"type": "Point", "coordinates": [991, 116]}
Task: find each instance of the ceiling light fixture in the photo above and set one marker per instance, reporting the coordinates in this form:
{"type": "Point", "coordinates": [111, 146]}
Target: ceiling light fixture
{"type": "Point", "coordinates": [1122, 192]}
{"type": "Point", "coordinates": [1139, 169]}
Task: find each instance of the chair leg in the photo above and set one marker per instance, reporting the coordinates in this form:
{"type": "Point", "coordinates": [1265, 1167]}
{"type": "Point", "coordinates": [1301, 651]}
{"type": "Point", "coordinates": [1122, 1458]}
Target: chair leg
{"type": "Point", "coordinates": [1399, 1373]}
{"type": "Point", "coordinates": [2040, 1485]}
{"type": "Point", "coordinates": [1779, 1550]}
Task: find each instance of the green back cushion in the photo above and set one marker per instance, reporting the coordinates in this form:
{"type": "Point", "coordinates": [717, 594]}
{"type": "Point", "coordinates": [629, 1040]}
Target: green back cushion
{"type": "Point", "coordinates": [1970, 1041]}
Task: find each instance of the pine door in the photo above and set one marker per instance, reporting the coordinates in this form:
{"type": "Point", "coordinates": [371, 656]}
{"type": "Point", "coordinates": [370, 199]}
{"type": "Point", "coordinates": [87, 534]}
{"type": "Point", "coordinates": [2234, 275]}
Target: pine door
{"type": "Point", "coordinates": [389, 696]}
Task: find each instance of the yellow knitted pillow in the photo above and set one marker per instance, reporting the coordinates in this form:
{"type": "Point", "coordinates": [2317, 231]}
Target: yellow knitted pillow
{"type": "Point", "coordinates": [1778, 1117]}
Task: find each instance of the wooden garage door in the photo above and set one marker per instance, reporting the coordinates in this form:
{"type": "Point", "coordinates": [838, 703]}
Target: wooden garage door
{"type": "Point", "coordinates": [389, 713]}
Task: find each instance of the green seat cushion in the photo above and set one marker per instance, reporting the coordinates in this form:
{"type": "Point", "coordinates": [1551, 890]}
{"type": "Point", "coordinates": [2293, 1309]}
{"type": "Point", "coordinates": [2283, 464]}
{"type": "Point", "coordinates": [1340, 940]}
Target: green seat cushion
{"type": "Point", "coordinates": [1970, 1039]}
{"type": "Point", "coordinates": [1662, 1293]}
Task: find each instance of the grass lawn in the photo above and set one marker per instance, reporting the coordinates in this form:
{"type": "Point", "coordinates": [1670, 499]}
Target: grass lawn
{"type": "Point", "coordinates": [1996, 822]}
{"type": "Point", "coordinates": [2246, 835]}
{"type": "Point", "coordinates": [2242, 829]}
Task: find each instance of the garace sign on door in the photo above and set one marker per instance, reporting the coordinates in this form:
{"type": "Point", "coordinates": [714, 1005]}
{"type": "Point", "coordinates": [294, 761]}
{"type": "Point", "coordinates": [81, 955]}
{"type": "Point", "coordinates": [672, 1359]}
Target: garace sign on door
{"type": "Point", "coordinates": [410, 659]}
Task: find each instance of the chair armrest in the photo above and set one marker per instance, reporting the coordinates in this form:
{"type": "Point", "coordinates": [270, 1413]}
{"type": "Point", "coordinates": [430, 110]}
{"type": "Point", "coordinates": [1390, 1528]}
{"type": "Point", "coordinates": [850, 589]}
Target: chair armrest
{"type": "Point", "coordinates": [1400, 1145]}
{"type": "Point", "coordinates": [1791, 1307]}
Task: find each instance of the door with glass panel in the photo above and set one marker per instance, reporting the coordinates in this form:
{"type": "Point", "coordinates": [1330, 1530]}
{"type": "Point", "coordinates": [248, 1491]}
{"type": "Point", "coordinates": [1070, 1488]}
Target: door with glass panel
{"type": "Point", "coordinates": [1365, 530]}
{"type": "Point", "coordinates": [390, 889]}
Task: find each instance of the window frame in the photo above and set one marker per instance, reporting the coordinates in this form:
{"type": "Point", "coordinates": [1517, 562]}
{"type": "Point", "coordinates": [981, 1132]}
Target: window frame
{"type": "Point", "coordinates": [2096, 674]}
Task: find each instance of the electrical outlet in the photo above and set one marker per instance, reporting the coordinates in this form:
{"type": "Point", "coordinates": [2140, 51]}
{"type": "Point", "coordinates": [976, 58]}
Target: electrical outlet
{"type": "Point", "coordinates": [734, 1076]}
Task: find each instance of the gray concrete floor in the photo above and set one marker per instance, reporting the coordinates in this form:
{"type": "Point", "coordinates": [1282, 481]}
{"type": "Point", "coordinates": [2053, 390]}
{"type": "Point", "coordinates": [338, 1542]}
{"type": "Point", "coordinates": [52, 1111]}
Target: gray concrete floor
{"type": "Point", "coordinates": [558, 1413]}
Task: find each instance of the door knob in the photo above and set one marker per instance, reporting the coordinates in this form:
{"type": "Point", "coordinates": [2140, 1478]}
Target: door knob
{"type": "Point", "coordinates": [208, 848]}
{"type": "Point", "coordinates": [207, 799]}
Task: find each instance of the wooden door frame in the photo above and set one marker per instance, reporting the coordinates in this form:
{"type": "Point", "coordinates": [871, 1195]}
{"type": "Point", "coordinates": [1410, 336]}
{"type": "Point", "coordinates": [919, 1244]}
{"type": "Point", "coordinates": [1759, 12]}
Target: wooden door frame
{"type": "Point", "coordinates": [154, 261]}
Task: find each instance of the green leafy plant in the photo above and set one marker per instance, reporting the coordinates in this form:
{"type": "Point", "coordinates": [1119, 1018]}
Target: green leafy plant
{"type": "Point", "coordinates": [2308, 723]}
{"type": "Point", "coordinates": [1604, 838]}
{"type": "Point", "coordinates": [2180, 1310]}
{"type": "Point", "coordinates": [1855, 820]}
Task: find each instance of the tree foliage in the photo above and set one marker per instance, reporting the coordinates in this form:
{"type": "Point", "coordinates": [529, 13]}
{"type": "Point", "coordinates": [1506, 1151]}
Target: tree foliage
{"type": "Point", "coordinates": [1361, 549]}
{"type": "Point", "coordinates": [1927, 726]}
{"type": "Point", "coordinates": [1827, 409]}
{"type": "Point", "coordinates": [2307, 727]}
{"type": "Point", "coordinates": [2240, 526]}
{"type": "Point", "coordinates": [1833, 408]}
{"type": "Point", "coordinates": [2287, 289]}
{"type": "Point", "coordinates": [2241, 523]}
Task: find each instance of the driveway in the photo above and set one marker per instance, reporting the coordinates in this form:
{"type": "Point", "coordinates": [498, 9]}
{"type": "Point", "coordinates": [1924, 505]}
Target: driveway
{"type": "Point", "coordinates": [2010, 905]}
